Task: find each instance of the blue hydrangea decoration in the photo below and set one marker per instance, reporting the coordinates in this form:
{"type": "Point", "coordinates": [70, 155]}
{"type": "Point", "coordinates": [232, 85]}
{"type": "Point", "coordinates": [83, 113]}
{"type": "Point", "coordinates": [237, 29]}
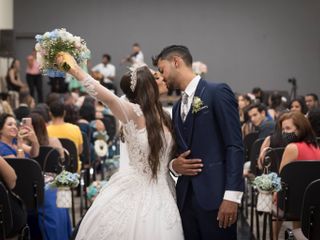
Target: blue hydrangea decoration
{"type": "Point", "coordinates": [268, 182]}
{"type": "Point", "coordinates": [65, 179]}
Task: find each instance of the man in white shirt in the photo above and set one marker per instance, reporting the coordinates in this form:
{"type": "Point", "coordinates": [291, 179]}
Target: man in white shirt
{"type": "Point", "coordinates": [136, 57]}
{"type": "Point", "coordinates": [107, 70]}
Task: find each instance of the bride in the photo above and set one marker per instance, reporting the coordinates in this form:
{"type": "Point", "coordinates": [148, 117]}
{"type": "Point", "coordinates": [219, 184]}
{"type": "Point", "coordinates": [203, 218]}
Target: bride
{"type": "Point", "coordinates": [139, 200]}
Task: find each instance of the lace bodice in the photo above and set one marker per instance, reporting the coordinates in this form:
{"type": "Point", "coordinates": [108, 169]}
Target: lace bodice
{"type": "Point", "coordinates": [135, 132]}
{"type": "Point", "coordinates": [138, 150]}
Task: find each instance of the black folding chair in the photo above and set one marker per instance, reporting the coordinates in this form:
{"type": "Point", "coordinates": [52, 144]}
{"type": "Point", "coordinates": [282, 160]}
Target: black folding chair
{"type": "Point", "coordinates": [254, 155]}
{"type": "Point", "coordinates": [254, 171]}
{"type": "Point", "coordinates": [72, 167]}
{"type": "Point", "coordinates": [30, 182]}
{"type": "Point", "coordinates": [272, 159]}
{"type": "Point", "coordinates": [295, 177]}
{"type": "Point", "coordinates": [6, 221]}
{"type": "Point", "coordinates": [73, 154]}
{"type": "Point", "coordinates": [248, 143]}
{"type": "Point", "coordinates": [310, 217]}
{"type": "Point", "coordinates": [48, 159]}
{"type": "Point", "coordinates": [85, 173]}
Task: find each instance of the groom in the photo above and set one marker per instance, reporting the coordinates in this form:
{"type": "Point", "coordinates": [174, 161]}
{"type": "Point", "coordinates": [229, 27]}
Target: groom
{"type": "Point", "coordinates": [208, 136]}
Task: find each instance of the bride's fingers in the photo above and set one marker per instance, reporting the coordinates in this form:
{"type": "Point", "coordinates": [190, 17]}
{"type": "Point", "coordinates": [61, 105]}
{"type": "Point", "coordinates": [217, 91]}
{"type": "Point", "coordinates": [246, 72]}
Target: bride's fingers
{"type": "Point", "coordinates": [59, 59]}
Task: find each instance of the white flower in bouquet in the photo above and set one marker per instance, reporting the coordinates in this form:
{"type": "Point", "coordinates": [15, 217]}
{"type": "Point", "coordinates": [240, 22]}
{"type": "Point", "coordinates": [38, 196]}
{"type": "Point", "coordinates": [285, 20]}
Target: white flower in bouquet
{"type": "Point", "coordinates": [59, 40]}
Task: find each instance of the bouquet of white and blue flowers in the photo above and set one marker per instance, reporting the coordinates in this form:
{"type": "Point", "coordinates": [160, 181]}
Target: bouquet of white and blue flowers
{"type": "Point", "coordinates": [63, 182]}
{"type": "Point", "coordinates": [268, 182]}
{"type": "Point", "coordinates": [65, 179]}
{"type": "Point", "coordinates": [59, 40]}
{"type": "Point", "coordinates": [266, 185]}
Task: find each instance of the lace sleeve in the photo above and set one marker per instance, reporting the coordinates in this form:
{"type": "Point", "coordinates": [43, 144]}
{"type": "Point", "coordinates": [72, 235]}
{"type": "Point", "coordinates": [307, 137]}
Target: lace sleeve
{"type": "Point", "coordinates": [121, 109]}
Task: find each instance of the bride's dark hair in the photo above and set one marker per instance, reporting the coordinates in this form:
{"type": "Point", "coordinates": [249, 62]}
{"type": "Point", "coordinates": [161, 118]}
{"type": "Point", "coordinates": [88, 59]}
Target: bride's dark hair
{"type": "Point", "coordinates": [146, 94]}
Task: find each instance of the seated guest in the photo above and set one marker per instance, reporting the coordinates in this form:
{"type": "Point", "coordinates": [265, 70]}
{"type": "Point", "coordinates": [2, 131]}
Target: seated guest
{"type": "Point", "coordinates": [275, 140]}
{"type": "Point", "coordinates": [302, 144]}
{"type": "Point", "coordinates": [108, 72]}
{"type": "Point", "coordinates": [43, 110]}
{"type": "Point", "coordinates": [299, 132]}
{"type": "Point", "coordinates": [312, 101]}
{"type": "Point", "coordinates": [258, 116]}
{"type": "Point", "coordinates": [60, 129]}
{"type": "Point", "coordinates": [12, 139]}
{"type": "Point", "coordinates": [276, 106]}
{"type": "Point", "coordinates": [260, 95]}
{"type": "Point", "coordinates": [40, 129]}
{"type": "Point", "coordinates": [5, 107]}
{"type": "Point", "coordinates": [298, 105]}
{"type": "Point", "coordinates": [26, 103]}
{"type": "Point", "coordinates": [314, 119]}
{"type": "Point", "coordinates": [57, 224]}
{"type": "Point", "coordinates": [243, 101]}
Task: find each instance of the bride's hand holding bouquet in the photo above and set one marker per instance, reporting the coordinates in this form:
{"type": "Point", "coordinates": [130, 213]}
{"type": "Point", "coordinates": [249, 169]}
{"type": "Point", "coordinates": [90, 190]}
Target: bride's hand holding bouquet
{"type": "Point", "coordinates": [65, 62]}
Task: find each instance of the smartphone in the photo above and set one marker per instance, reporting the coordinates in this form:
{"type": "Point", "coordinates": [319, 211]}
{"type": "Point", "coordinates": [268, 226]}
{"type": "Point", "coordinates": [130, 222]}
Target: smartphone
{"type": "Point", "coordinates": [26, 122]}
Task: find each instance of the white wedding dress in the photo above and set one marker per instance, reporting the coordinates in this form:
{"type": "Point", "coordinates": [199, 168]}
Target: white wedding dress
{"type": "Point", "coordinates": [132, 205]}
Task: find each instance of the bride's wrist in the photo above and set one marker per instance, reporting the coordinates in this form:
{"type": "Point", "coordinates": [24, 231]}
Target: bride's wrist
{"type": "Point", "coordinates": [76, 72]}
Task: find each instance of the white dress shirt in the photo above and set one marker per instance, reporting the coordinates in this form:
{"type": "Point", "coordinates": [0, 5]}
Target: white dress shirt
{"type": "Point", "coordinates": [107, 71]}
{"type": "Point", "coordinates": [234, 196]}
{"type": "Point", "coordinates": [138, 59]}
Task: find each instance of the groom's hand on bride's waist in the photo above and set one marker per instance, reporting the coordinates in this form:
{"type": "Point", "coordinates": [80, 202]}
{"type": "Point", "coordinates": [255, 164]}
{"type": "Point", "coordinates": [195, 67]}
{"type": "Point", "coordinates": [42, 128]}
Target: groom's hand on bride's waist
{"type": "Point", "coordinates": [184, 166]}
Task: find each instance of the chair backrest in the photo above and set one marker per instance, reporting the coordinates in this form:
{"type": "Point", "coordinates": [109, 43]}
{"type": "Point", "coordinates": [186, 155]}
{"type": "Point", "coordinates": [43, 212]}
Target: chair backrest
{"type": "Point", "coordinates": [310, 215]}
{"type": "Point", "coordinates": [6, 221]}
{"type": "Point", "coordinates": [295, 178]}
{"type": "Point", "coordinates": [273, 159]}
{"type": "Point", "coordinates": [48, 159]}
{"type": "Point", "coordinates": [85, 155]}
{"type": "Point", "coordinates": [248, 142]}
{"type": "Point", "coordinates": [73, 154]}
{"type": "Point", "coordinates": [110, 124]}
{"type": "Point", "coordinates": [30, 182]}
{"type": "Point", "coordinates": [254, 154]}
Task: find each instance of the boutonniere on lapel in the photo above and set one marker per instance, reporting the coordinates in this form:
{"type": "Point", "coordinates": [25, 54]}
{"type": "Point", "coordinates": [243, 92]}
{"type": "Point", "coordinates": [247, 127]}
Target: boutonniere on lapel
{"type": "Point", "coordinates": [197, 105]}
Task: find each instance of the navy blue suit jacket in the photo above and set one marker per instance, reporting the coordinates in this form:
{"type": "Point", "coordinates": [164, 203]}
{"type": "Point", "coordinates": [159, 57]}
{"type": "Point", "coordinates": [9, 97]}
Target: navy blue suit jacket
{"type": "Point", "coordinates": [214, 135]}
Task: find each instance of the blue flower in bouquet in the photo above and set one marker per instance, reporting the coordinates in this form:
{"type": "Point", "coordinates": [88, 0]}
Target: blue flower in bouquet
{"type": "Point", "coordinates": [59, 40]}
{"type": "Point", "coordinates": [94, 189]}
{"type": "Point", "coordinates": [268, 182]}
{"type": "Point", "coordinates": [66, 179]}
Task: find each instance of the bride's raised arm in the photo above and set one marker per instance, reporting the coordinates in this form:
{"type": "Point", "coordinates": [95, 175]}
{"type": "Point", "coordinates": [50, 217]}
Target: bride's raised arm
{"type": "Point", "coordinates": [122, 110]}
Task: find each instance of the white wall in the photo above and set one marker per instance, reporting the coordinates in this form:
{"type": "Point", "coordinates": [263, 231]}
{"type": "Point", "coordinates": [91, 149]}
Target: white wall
{"type": "Point", "coordinates": [6, 22]}
{"type": "Point", "coordinates": [6, 14]}
{"type": "Point", "coordinates": [245, 43]}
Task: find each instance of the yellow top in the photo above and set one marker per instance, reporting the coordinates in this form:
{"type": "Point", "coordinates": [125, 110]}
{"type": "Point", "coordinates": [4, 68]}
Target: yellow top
{"type": "Point", "coordinates": [69, 131]}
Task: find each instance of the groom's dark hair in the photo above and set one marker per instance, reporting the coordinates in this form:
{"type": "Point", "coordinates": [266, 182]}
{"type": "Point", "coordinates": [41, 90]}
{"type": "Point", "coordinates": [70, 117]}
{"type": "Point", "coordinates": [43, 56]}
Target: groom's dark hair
{"type": "Point", "coordinates": [170, 51]}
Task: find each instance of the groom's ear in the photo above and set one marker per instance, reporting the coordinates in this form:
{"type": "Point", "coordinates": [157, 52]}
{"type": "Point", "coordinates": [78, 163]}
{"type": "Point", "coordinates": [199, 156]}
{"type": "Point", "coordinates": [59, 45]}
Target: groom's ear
{"type": "Point", "coordinates": [176, 61]}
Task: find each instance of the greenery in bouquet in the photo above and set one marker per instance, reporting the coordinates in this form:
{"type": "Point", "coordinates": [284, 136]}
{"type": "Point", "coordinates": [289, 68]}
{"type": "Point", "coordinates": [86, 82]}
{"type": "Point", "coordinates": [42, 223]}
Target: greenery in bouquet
{"type": "Point", "coordinates": [65, 179]}
{"type": "Point", "coordinates": [268, 182]}
{"type": "Point", "coordinates": [59, 40]}
{"type": "Point", "coordinates": [94, 189]}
